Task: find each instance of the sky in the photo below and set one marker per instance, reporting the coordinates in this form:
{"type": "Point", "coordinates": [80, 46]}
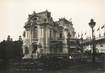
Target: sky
{"type": "Point", "coordinates": [14, 14]}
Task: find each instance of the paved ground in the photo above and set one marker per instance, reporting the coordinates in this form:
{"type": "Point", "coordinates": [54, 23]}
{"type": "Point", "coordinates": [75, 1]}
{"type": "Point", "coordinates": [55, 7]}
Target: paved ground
{"type": "Point", "coordinates": [80, 68]}
{"type": "Point", "coordinates": [77, 67]}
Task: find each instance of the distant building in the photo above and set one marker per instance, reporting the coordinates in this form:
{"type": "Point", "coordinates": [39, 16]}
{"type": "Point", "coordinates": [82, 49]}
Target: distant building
{"type": "Point", "coordinates": [43, 36]}
{"type": "Point", "coordinates": [99, 44]}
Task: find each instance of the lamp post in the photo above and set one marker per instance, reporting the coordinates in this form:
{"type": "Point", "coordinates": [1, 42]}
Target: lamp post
{"type": "Point", "coordinates": [92, 24]}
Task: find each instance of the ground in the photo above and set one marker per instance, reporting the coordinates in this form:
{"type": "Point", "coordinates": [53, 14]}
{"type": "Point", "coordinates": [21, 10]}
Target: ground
{"type": "Point", "coordinates": [53, 65]}
{"type": "Point", "coordinates": [88, 67]}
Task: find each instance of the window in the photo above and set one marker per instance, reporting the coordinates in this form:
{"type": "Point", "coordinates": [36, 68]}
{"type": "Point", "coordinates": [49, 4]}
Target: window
{"type": "Point", "coordinates": [101, 45]}
{"type": "Point", "coordinates": [24, 34]}
{"type": "Point", "coordinates": [55, 50]}
{"type": "Point", "coordinates": [50, 34]}
{"type": "Point", "coordinates": [48, 15]}
{"type": "Point", "coordinates": [35, 27]}
{"type": "Point", "coordinates": [45, 20]}
{"type": "Point", "coordinates": [68, 35]}
{"type": "Point", "coordinates": [61, 49]}
{"type": "Point", "coordinates": [61, 35]}
{"type": "Point", "coordinates": [34, 46]}
{"type": "Point", "coordinates": [35, 18]}
{"type": "Point", "coordinates": [35, 32]}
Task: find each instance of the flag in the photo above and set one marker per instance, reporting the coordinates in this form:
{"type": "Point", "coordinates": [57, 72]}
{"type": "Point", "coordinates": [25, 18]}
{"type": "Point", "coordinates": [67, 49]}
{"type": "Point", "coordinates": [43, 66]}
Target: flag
{"type": "Point", "coordinates": [81, 35]}
{"type": "Point", "coordinates": [98, 29]}
{"type": "Point", "coordinates": [78, 35]}
{"type": "Point", "coordinates": [104, 33]}
{"type": "Point", "coordinates": [102, 27]}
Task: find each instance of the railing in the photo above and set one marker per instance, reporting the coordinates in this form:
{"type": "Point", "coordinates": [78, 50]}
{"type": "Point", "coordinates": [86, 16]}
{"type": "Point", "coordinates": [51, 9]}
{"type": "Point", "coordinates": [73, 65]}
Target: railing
{"type": "Point", "coordinates": [102, 37]}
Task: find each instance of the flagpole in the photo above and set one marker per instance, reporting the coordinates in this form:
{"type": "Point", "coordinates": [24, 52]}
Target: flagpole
{"type": "Point", "coordinates": [99, 32]}
{"type": "Point", "coordinates": [104, 29]}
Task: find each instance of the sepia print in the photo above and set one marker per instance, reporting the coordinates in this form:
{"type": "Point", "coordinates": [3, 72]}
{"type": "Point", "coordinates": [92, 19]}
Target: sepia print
{"type": "Point", "coordinates": [52, 36]}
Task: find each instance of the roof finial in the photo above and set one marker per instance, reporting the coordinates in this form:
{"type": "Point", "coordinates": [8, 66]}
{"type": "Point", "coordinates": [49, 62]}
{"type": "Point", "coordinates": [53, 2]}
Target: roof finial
{"type": "Point", "coordinates": [70, 19]}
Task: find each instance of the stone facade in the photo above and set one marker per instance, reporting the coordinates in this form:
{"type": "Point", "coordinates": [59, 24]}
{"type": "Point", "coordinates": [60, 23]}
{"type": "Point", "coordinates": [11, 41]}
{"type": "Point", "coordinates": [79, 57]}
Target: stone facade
{"type": "Point", "coordinates": [44, 36]}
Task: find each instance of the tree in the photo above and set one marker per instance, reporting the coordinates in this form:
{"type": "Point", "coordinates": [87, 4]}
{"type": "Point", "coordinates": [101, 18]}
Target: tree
{"type": "Point", "coordinates": [11, 49]}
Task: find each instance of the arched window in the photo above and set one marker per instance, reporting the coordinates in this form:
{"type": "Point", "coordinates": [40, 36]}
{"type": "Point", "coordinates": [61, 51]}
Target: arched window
{"type": "Point", "coordinates": [35, 32]}
{"type": "Point", "coordinates": [34, 48]}
{"type": "Point", "coordinates": [68, 35]}
{"type": "Point", "coordinates": [45, 20]}
{"type": "Point", "coordinates": [60, 34]}
{"type": "Point", "coordinates": [50, 34]}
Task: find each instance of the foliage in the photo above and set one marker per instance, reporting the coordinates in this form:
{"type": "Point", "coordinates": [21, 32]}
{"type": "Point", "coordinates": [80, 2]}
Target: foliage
{"type": "Point", "coordinates": [11, 50]}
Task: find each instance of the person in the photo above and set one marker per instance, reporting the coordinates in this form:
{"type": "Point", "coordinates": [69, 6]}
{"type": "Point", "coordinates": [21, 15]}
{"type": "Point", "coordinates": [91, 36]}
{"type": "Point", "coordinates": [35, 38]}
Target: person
{"type": "Point", "coordinates": [70, 57]}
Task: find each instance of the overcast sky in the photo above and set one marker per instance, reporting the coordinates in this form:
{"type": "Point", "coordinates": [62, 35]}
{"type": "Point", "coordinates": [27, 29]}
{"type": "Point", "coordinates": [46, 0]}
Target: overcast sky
{"type": "Point", "coordinates": [14, 13]}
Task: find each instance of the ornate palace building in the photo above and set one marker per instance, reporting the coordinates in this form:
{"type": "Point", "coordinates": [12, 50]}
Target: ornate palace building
{"type": "Point", "coordinates": [43, 36]}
